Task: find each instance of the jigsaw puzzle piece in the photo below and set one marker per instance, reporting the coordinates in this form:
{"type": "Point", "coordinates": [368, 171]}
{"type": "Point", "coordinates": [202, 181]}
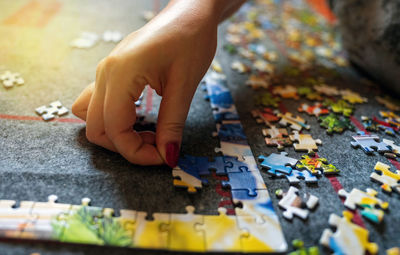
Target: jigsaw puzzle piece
{"type": "Point", "coordinates": [294, 205]}
{"type": "Point", "coordinates": [389, 180]}
{"type": "Point", "coordinates": [245, 180]}
{"type": "Point", "coordinates": [127, 221]}
{"type": "Point", "coordinates": [395, 148]}
{"type": "Point", "coordinates": [353, 97]}
{"type": "Point", "coordinates": [266, 115]}
{"type": "Point", "coordinates": [154, 233]}
{"type": "Point", "coordinates": [14, 220]}
{"type": "Point", "coordinates": [326, 90]}
{"type": "Point", "coordinates": [258, 81]}
{"type": "Point", "coordinates": [287, 91]}
{"type": "Point", "coordinates": [276, 137]}
{"type": "Point", "coordinates": [367, 201]}
{"type": "Point", "coordinates": [369, 143]}
{"type": "Point", "coordinates": [234, 150]}
{"type": "Point", "coordinates": [317, 109]}
{"type": "Point", "coordinates": [183, 234]}
{"type": "Point", "coordinates": [277, 163]}
{"type": "Point", "coordinates": [231, 132]}
{"type": "Point", "coordinates": [297, 123]}
{"type": "Point", "coordinates": [295, 176]}
{"type": "Point", "coordinates": [86, 224]}
{"type": "Point", "coordinates": [221, 232]}
{"type": "Point", "coordinates": [334, 123]}
{"type": "Point", "coordinates": [10, 79]}
{"type": "Point", "coordinates": [340, 107]}
{"type": "Point", "coordinates": [349, 238]}
{"type": "Point", "coordinates": [316, 165]}
{"type": "Point", "coordinates": [225, 114]}
{"type": "Point", "coordinates": [184, 179]}
{"type": "Point", "coordinates": [45, 213]}
{"type": "Point", "coordinates": [305, 142]}
{"type": "Point", "coordinates": [266, 99]}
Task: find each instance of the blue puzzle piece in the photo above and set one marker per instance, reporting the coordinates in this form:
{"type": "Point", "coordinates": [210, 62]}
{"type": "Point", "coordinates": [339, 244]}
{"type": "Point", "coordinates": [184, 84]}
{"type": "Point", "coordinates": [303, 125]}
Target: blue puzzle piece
{"type": "Point", "coordinates": [220, 164]}
{"type": "Point", "coordinates": [246, 180]}
{"type": "Point", "coordinates": [295, 176]}
{"type": "Point", "coordinates": [278, 163]}
{"type": "Point", "coordinates": [369, 144]}
{"type": "Point", "coordinates": [189, 164]}
{"type": "Point", "coordinates": [220, 115]}
{"type": "Point", "coordinates": [232, 132]}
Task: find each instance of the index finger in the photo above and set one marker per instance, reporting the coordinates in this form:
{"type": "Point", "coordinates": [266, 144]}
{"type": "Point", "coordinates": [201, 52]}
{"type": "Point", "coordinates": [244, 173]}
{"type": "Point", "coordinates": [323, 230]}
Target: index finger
{"type": "Point", "coordinates": [119, 118]}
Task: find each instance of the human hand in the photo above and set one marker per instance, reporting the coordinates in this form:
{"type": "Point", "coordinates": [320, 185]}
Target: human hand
{"type": "Point", "coordinates": [170, 54]}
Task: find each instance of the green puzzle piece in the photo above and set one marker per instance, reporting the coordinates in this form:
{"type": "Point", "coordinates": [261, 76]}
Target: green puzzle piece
{"type": "Point", "coordinates": [266, 99]}
{"type": "Point", "coordinates": [334, 123]}
{"type": "Point", "coordinates": [340, 106]}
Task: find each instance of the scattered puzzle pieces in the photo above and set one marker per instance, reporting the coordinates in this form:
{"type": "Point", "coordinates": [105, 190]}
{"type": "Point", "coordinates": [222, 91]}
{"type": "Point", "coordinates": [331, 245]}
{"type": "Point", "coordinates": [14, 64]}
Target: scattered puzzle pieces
{"type": "Point", "coordinates": [305, 142]}
{"type": "Point", "coordinates": [316, 165]}
{"type": "Point", "coordinates": [9, 79]}
{"type": "Point", "coordinates": [369, 143]}
{"type": "Point", "coordinates": [277, 163]}
{"type": "Point", "coordinates": [367, 201]}
{"type": "Point", "coordinates": [276, 137]}
{"type": "Point", "coordinates": [293, 204]}
{"type": "Point", "coordinates": [333, 123]}
{"type": "Point", "coordinates": [50, 112]}
{"type": "Point", "coordinates": [349, 238]}
{"type": "Point", "coordinates": [390, 181]}
{"type": "Point", "coordinates": [297, 123]}
{"type": "Point", "coordinates": [316, 109]}
{"type": "Point", "coordinates": [308, 93]}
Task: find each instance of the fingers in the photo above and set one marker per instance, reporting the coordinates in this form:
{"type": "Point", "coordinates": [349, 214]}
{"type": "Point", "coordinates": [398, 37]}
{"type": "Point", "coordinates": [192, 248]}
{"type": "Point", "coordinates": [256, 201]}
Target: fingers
{"type": "Point", "coordinates": [119, 118]}
{"type": "Point", "coordinates": [81, 104]}
{"type": "Point", "coordinates": [172, 115]}
{"type": "Point", "coordinates": [95, 130]}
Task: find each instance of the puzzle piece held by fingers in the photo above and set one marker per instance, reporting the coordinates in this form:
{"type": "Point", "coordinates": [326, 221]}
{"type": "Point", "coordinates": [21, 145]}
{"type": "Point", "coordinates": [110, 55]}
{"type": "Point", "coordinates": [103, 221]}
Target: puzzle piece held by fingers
{"type": "Point", "coordinates": [294, 205]}
{"type": "Point", "coordinates": [389, 180]}
{"type": "Point", "coordinates": [367, 201]}
{"type": "Point", "coordinates": [305, 142]}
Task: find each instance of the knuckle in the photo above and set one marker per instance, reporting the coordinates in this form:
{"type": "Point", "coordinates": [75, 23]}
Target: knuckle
{"type": "Point", "coordinates": [106, 64]}
{"type": "Point", "coordinates": [92, 137]}
{"type": "Point", "coordinates": [174, 128]}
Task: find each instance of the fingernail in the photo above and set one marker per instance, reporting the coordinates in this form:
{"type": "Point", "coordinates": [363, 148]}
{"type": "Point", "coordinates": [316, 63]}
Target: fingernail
{"type": "Point", "coordinates": [172, 154]}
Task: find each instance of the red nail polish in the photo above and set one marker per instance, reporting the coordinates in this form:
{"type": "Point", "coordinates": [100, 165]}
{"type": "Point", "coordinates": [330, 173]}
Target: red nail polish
{"type": "Point", "coordinates": [172, 151]}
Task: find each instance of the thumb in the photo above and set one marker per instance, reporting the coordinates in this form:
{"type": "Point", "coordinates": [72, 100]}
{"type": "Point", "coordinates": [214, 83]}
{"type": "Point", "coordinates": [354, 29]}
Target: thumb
{"type": "Point", "coordinates": [172, 115]}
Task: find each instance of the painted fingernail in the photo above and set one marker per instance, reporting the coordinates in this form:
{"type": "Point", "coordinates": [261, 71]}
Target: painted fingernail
{"type": "Point", "coordinates": [172, 154]}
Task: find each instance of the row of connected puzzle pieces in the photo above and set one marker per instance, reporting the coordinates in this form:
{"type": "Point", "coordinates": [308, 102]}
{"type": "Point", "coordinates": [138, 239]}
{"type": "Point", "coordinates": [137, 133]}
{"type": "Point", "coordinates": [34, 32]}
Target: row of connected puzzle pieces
{"type": "Point", "coordinates": [178, 232]}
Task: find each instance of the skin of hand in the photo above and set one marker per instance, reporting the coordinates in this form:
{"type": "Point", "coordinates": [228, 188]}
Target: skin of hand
{"type": "Point", "coordinates": [171, 54]}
